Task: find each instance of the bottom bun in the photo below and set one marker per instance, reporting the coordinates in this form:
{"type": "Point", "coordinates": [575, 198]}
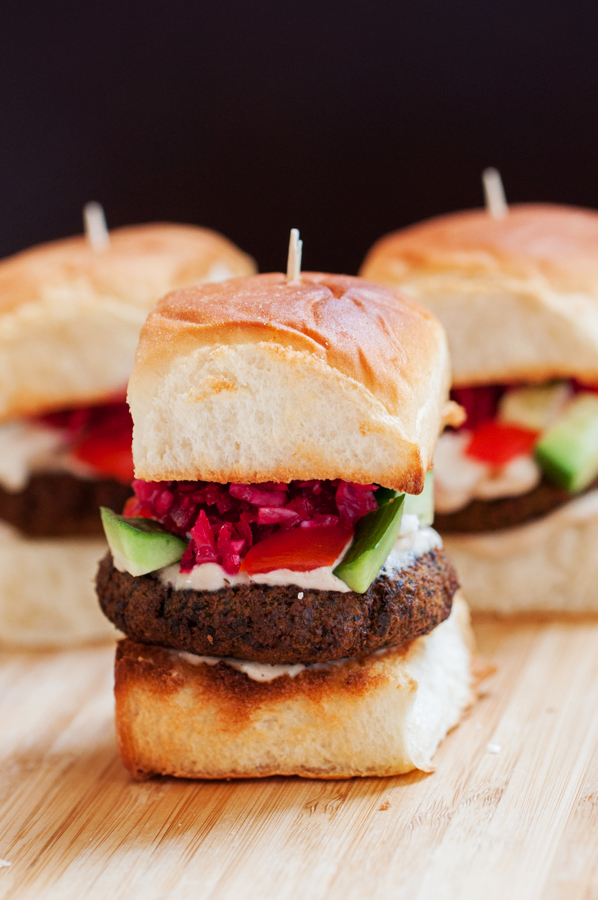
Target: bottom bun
{"type": "Point", "coordinates": [547, 566]}
{"type": "Point", "coordinates": [47, 596]}
{"type": "Point", "coordinates": [382, 715]}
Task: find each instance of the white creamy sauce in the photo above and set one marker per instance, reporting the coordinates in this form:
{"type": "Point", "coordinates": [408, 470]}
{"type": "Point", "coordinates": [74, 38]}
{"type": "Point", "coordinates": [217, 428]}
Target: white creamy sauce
{"type": "Point", "coordinates": [212, 577]}
{"type": "Point", "coordinates": [517, 477]}
{"type": "Point", "coordinates": [207, 577]}
{"type": "Point", "coordinates": [255, 671]}
{"type": "Point", "coordinates": [321, 579]}
{"type": "Point", "coordinates": [459, 478]}
{"type": "Point", "coordinates": [27, 447]}
{"type": "Point", "coordinates": [413, 541]}
{"type": "Point", "coordinates": [23, 445]}
{"type": "Point", "coordinates": [267, 671]}
{"type": "Point", "coordinates": [511, 541]}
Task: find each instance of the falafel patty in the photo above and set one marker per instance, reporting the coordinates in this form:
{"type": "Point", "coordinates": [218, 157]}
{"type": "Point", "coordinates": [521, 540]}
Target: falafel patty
{"type": "Point", "coordinates": [507, 512]}
{"type": "Point", "coordinates": [281, 624]}
{"type": "Point", "coordinates": [58, 504]}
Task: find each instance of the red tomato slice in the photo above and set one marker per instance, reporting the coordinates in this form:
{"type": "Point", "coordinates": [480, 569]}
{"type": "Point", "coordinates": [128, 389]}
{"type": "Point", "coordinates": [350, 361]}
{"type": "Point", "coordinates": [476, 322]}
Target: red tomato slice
{"type": "Point", "coordinates": [109, 454]}
{"type": "Point", "coordinates": [497, 444]}
{"type": "Point", "coordinates": [299, 549]}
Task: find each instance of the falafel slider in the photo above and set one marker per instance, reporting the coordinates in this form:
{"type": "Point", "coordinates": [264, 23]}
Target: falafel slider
{"type": "Point", "coordinates": [288, 607]}
{"type": "Point", "coordinates": [517, 485]}
{"type": "Point", "coordinates": [70, 316]}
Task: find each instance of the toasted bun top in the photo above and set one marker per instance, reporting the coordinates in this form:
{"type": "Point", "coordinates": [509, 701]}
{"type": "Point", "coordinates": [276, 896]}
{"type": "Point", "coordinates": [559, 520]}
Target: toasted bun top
{"type": "Point", "coordinates": [141, 264]}
{"type": "Point", "coordinates": [518, 295]}
{"type": "Point", "coordinates": [556, 243]}
{"type": "Point", "coordinates": [257, 379]}
{"type": "Point", "coordinates": [70, 315]}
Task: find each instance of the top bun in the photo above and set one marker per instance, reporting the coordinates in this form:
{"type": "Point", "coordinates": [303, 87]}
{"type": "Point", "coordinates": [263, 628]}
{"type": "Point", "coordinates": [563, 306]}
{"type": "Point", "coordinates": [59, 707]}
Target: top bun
{"type": "Point", "coordinates": [518, 295]}
{"type": "Point", "coordinates": [258, 379]}
{"type": "Point", "coordinates": [70, 316]}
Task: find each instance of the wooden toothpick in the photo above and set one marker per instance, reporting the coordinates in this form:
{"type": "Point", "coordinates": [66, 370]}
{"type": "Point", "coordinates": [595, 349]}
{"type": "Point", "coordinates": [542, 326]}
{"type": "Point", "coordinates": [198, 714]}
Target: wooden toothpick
{"type": "Point", "coordinates": [96, 230]}
{"type": "Point", "coordinates": [496, 202]}
{"type": "Point", "coordinates": [294, 259]}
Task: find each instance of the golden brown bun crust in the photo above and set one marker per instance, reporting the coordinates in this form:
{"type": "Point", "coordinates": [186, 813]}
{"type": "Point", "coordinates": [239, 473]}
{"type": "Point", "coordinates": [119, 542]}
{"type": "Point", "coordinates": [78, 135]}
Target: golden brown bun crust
{"type": "Point", "coordinates": [360, 336]}
{"type": "Point", "coordinates": [518, 296]}
{"type": "Point", "coordinates": [365, 331]}
{"type": "Point", "coordinates": [70, 316]}
{"type": "Point", "coordinates": [382, 715]}
{"type": "Point", "coordinates": [559, 243]}
{"type": "Point", "coordinates": [140, 260]}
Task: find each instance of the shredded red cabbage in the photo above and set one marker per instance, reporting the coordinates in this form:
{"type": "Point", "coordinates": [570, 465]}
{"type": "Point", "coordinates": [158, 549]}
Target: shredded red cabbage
{"type": "Point", "coordinates": [80, 421]}
{"type": "Point", "coordinates": [480, 403]}
{"type": "Point", "coordinates": [222, 521]}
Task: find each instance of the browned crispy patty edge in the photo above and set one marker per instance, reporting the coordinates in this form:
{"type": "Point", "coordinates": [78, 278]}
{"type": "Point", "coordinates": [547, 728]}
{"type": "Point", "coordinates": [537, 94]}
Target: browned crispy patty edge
{"type": "Point", "coordinates": [58, 504]}
{"type": "Point", "coordinates": [481, 516]}
{"type": "Point", "coordinates": [281, 624]}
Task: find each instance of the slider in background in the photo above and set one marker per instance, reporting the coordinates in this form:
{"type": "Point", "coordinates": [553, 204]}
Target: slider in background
{"type": "Point", "coordinates": [516, 288]}
{"type": "Point", "coordinates": [288, 609]}
{"type": "Point", "coordinates": [70, 316]}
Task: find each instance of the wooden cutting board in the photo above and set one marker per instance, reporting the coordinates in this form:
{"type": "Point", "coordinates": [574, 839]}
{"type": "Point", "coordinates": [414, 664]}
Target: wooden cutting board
{"type": "Point", "coordinates": [511, 811]}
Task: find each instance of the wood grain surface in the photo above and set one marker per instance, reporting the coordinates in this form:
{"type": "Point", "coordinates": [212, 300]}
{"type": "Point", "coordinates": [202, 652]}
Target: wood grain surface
{"type": "Point", "coordinates": [518, 820]}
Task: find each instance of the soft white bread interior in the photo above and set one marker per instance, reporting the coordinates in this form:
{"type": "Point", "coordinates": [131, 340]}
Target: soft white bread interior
{"type": "Point", "coordinates": [518, 296]}
{"type": "Point", "coordinates": [383, 715]}
{"type": "Point", "coordinates": [546, 566]}
{"type": "Point", "coordinates": [47, 596]}
{"type": "Point", "coordinates": [257, 379]}
{"type": "Point", "coordinates": [70, 316]}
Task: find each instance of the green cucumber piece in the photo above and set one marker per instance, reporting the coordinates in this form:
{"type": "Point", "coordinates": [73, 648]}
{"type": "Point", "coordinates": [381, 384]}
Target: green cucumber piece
{"type": "Point", "coordinates": [422, 505]}
{"type": "Point", "coordinates": [142, 545]}
{"type": "Point", "coordinates": [568, 452]}
{"type": "Point", "coordinates": [375, 536]}
{"type": "Point", "coordinates": [535, 408]}
{"type": "Point", "coordinates": [383, 495]}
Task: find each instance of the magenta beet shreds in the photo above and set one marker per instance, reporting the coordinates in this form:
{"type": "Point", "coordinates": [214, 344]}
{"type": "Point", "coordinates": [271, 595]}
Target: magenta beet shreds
{"type": "Point", "coordinates": [78, 421]}
{"type": "Point", "coordinates": [225, 520]}
{"type": "Point", "coordinates": [481, 402]}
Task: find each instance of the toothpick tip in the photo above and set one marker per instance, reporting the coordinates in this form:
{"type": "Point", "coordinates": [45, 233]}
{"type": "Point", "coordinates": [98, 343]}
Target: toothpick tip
{"type": "Point", "coordinates": [96, 229]}
{"type": "Point", "coordinates": [494, 192]}
{"type": "Point", "coordinates": [294, 257]}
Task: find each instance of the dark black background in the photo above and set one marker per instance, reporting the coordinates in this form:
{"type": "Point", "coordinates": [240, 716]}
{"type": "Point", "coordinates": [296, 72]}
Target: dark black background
{"type": "Point", "coordinates": [345, 120]}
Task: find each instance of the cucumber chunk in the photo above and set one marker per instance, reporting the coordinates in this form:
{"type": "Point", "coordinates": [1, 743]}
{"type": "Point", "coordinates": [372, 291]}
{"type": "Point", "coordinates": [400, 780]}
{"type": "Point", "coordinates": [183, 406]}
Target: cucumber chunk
{"type": "Point", "coordinates": [375, 536]}
{"type": "Point", "coordinates": [422, 505]}
{"type": "Point", "coordinates": [568, 452]}
{"type": "Point", "coordinates": [535, 408]}
{"type": "Point", "coordinates": [384, 495]}
{"type": "Point", "coordinates": [141, 545]}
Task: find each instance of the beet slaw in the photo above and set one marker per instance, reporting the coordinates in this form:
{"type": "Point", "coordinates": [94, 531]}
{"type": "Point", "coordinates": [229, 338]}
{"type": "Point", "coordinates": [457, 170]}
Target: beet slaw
{"type": "Point", "coordinates": [223, 521]}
